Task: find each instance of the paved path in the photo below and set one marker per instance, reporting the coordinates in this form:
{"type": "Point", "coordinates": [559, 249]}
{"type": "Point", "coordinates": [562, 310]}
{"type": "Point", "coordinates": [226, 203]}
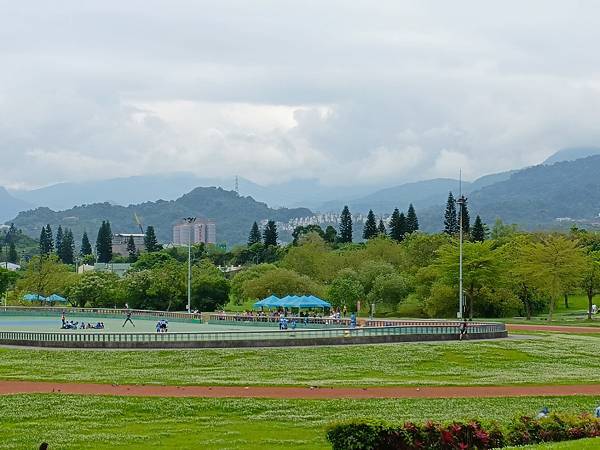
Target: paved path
{"type": "Point", "coordinates": [556, 328]}
{"type": "Point", "coordinates": [28, 387]}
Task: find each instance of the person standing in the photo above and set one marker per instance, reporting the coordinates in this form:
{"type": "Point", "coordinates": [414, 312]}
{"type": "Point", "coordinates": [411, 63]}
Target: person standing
{"type": "Point", "coordinates": [128, 319]}
{"type": "Point", "coordinates": [462, 330]}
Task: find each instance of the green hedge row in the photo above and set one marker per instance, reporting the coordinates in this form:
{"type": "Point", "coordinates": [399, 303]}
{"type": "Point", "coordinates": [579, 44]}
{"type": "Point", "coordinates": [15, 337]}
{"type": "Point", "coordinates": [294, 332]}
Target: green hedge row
{"type": "Point", "coordinates": [459, 435]}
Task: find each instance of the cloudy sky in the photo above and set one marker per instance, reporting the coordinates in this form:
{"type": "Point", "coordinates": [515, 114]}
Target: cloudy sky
{"type": "Point", "coordinates": [343, 91]}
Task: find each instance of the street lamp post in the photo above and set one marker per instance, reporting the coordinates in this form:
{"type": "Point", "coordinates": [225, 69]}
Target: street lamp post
{"type": "Point", "coordinates": [461, 307]}
{"type": "Point", "coordinates": [190, 221]}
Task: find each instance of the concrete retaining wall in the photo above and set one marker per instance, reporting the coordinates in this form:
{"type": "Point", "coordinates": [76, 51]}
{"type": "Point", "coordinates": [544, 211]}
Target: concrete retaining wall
{"type": "Point", "coordinates": [289, 342]}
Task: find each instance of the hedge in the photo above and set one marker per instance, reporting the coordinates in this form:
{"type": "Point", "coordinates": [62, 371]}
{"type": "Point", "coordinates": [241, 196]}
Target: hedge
{"type": "Point", "coordinates": [461, 435]}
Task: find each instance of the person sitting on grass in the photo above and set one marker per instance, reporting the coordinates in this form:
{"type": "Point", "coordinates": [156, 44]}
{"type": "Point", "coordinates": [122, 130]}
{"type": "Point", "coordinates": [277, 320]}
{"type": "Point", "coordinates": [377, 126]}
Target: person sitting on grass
{"type": "Point", "coordinates": [544, 412]}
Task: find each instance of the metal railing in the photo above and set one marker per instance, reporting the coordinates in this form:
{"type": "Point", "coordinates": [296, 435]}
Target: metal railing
{"type": "Point", "coordinates": [80, 336]}
{"type": "Point", "coordinates": [100, 312]}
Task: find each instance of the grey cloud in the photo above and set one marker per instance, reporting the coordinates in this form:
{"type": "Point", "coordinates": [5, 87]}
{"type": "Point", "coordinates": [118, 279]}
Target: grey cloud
{"type": "Point", "coordinates": [421, 86]}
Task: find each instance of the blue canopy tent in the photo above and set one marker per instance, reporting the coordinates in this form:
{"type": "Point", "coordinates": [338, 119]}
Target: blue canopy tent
{"type": "Point", "coordinates": [34, 298]}
{"type": "Point", "coordinates": [56, 298]}
{"type": "Point", "coordinates": [266, 302]}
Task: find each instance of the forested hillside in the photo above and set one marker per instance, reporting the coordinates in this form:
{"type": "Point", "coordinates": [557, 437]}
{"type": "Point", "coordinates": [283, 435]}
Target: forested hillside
{"type": "Point", "coordinates": [233, 214]}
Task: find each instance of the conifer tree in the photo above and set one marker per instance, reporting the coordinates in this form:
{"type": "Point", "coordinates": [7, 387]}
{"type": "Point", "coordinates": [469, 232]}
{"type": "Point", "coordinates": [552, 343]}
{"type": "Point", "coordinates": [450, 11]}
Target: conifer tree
{"type": "Point", "coordinates": [478, 230]}
{"type": "Point", "coordinates": [254, 237]}
{"type": "Point", "coordinates": [395, 232]}
{"type": "Point", "coordinates": [67, 248]}
{"type": "Point", "coordinates": [86, 247]}
{"type": "Point", "coordinates": [104, 243]}
{"type": "Point", "coordinates": [412, 222]}
{"type": "Point", "coordinates": [270, 234]}
{"type": "Point", "coordinates": [381, 228]}
{"type": "Point", "coordinates": [131, 250]}
{"type": "Point", "coordinates": [12, 254]}
{"type": "Point", "coordinates": [450, 219]}
{"type": "Point", "coordinates": [370, 228]}
{"type": "Point", "coordinates": [46, 241]}
{"type": "Point", "coordinates": [150, 241]}
{"type": "Point", "coordinates": [330, 234]}
{"type": "Point", "coordinates": [464, 212]}
{"type": "Point", "coordinates": [11, 234]}
{"type": "Point", "coordinates": [345, 226]}
{"type": "Point", "coordinates": [59, 241]}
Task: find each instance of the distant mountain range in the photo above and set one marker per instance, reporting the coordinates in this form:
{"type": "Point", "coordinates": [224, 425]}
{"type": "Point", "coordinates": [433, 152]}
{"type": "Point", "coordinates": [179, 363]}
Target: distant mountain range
{"type": "Point", "coordinates": [234, 215]}
{"type": "Point", "coordinates": [532, 197]}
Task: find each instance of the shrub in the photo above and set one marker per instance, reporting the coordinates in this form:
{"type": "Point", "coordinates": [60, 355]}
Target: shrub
{"type": "Point", "coordinates": [430, 435]}
{"type": "Point", "coordinates": [462, 436]}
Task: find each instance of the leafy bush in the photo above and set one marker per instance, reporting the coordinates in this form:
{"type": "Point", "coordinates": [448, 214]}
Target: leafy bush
{"type": "Point", "coordinates": [526, 430]}
{"type": "Point", "coordinates": [458, 435]}
{"type": "Point", "coordinates": [430, 435]}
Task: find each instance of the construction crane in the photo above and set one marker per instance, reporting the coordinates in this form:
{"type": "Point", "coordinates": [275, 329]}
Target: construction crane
{"type": "Point", "coordinates": [139, 222]}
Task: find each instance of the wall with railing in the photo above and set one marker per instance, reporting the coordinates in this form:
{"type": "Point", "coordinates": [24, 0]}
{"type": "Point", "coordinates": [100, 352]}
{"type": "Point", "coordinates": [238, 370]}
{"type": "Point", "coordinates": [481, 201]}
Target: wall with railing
{"type": "Point", "coordinates": [56, 311]}
{"type": "Point", "coordinates": [427, 331]}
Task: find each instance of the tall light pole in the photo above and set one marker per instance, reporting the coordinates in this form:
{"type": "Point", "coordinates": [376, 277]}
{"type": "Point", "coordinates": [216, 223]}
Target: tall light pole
{"type": "Point", "coordinates": [461, 201]}
{"type": "Point", "coordinates": [190, 221]}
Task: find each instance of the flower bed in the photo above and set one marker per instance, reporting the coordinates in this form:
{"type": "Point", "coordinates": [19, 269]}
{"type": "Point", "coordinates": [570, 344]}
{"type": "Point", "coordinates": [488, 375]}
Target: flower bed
{"type": "Point", "coordinates": [461, 435]}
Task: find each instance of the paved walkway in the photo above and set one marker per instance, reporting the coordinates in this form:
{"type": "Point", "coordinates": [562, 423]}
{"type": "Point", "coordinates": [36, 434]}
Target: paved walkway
{"type": "Point", "coordinates": [28, 387]}
{"type": "Point", "coordinates": [556, 328]}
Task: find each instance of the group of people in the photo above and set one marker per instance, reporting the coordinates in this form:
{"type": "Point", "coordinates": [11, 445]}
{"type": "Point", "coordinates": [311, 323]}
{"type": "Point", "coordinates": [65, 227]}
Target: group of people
{"type": "Point", "coordinates": [70, 325]}
{"type": "Point", "coordinates": [162, 326]}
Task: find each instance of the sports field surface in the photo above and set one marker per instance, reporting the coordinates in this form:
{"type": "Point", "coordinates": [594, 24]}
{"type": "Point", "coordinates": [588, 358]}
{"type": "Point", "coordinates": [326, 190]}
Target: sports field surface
{"type": "Point", "coordinates": [112, 325]}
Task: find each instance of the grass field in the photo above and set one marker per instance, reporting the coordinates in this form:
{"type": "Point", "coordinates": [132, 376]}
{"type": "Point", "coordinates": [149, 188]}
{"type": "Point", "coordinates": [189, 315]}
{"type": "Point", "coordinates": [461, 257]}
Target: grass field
{"type": "Point", "coordinates": [538, 359]}
{"type": "Point", "coordinates": [93, 422]}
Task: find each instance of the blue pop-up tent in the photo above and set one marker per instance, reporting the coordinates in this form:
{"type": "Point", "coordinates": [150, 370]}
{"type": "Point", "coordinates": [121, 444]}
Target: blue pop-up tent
{"type": "Point", "coordinates": [34, 298]}
{"type": "Point", "coordinates": [56, 298]}
{"type": "Point", "coordinates": [267, 302]}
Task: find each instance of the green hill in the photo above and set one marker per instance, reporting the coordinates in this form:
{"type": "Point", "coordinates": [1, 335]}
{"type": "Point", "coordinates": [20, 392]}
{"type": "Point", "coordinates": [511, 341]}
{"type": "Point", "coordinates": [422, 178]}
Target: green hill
{"type": "Point", "coordinates": [233, 214]}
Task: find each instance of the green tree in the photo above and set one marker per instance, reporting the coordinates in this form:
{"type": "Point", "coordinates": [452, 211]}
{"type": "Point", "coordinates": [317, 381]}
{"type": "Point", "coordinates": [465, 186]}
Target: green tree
{"type": "Point", "coordinates": [210, 288]}
{"type": "Point", "coordinates": [397, 226]}
{"type": "Point", "coordinates": [280, 282]}
{"type": "Point", "coordinates": [345, 291]}
{"type": "Point", "coordinates": [270, 234]}
{"type": "Point", "coordinates": [590, 283]}
{"type": "Point", "coordinates": [412, 222]}
{"type": "Point", "coordinates": [150, 241]}
{"type": "Point", "coordinates": [450, 219]}
{"type": "Point", "coordinates": [12, 253]}
{"type": "Point", "coordinates": [482, 268]}
{"type": "Point", "coordinates": [94, 289]}
{"type": "Point", "coordinates": [370, 227]}
{"type": "Point", "coordinates": [86, 247]}
{"type": "Point", "coordinates": [330, 234]}
{"type": "Point", "coordinates": [59, 241]}
{"type": "Point", "coordinates": [300, 231]}
{"type": "Point", "coordinates": [67, 248]}
{"type": "Point", "coordinates": [104, 243]}
{"type": "Point", "coordinates": [254, 236]}
{"type": "Point", "coordinates": [345, 236]}
{"type": "Point", "coordinates": [390, 289]}
{"type": "Point", "coordinates": [237, 283]}
{"type": "Point", "coordinates": [381, 228]}
{"type": "Point", "coordinates": [131, 250]}
{"type": "Point", "coordinates": [464, 217]}
{"type": "Point", "coordinates": [478, 231]}
{"type": "Point", "coordinates": [46, 241]}
{"type": "Point", "coordinates": [45, 275]}
{"type": "Point", "coordinates": [552, 266]}
{"type": "Point", "coordinates": [7, 278]}
{"type": "Point", "coordinates": [369, 270]}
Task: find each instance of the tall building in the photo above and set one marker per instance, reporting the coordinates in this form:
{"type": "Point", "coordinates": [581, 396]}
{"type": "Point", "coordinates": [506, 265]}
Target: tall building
{"type": "Point", "coordinates": [119, 243]}
{"type": "Point", "coordinates": [201, 230]}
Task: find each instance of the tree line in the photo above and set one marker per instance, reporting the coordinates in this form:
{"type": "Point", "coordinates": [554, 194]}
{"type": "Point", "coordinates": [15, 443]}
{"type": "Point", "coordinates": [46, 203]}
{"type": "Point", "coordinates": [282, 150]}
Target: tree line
{"type": "Point", "coordinates": [63, 245]}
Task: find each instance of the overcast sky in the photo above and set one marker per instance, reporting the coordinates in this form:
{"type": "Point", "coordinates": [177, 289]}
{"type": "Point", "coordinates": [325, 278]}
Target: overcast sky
{"type": "Point", "coordinates": [344, 91]}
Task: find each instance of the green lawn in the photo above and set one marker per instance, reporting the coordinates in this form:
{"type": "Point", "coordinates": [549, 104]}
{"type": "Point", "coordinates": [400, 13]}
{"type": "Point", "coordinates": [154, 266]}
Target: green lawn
{"type": "Point", "coordinates": [538, 359]}
{"type": "Point", "coordinates": [94, 422]}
